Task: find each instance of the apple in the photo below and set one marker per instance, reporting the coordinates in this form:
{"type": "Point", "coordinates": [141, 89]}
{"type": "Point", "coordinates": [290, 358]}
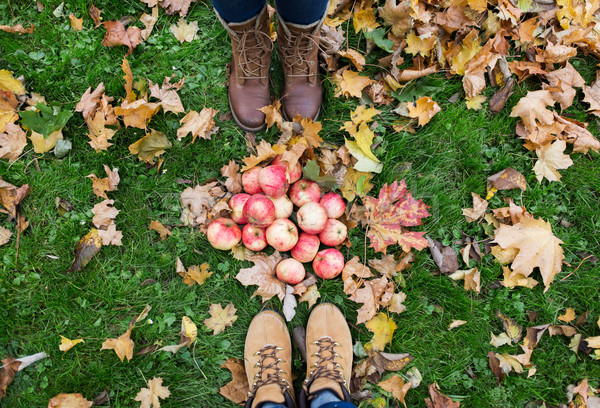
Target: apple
{"type": "Point", "coordinates": [223, 233]}
{"type": "Point", "coordinates": [290, 271]}
{"type": "Point", "coordinates": [282, 234]}
{"type": "Point", "coordinates": [294, 173]}
{"type": "Point", "coordinates": [254, 238]}
{"type": "Point", "coordinates": [273, 181]}
{"type": "Point", "coordinates": [334, 204]}
{"type": "Point", "coordinates": [259, 210]}
{"type": "Point", "coordinates": [237, 206]}
{"type": "Point", "coordinates": [305, 191]}
{"type": "Point", "coordinates": [283, 206]}
{"type": "Point", "coordinates": [306, 248]}
{"type": "Point", "coordinates": [250, 181]}
{"type": "Point", "coordinates": [334, 233]}
{"type": "Point", "coordinates": [328, 263]}
{"type": "Point", "coordinates": [312, 218]}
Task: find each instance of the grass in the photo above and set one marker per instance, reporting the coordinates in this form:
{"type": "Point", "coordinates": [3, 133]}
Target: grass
{"type": "Point", "coordinates": [442, 163]}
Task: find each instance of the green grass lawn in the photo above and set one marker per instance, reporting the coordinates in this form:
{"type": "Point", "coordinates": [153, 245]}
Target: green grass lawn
{"type": "Point", "coordinates": [446, 160]}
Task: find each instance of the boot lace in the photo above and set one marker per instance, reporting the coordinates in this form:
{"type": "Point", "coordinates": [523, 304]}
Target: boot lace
{"type": "Point", "coordinates": [269, 352]}
{"type": "Point", "coordinates": [252, 56]}
{"type": "Point", "coordinates": [295, 55]}
{"type": "Point", "coordinates": [326, 366]}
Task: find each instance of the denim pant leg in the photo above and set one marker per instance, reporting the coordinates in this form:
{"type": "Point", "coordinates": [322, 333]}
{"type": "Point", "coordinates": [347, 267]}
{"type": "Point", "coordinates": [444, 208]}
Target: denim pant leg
{"type": "Point", "coordinates": [236, 11]}
{"type": "Point", "coordinates": [301, 11]}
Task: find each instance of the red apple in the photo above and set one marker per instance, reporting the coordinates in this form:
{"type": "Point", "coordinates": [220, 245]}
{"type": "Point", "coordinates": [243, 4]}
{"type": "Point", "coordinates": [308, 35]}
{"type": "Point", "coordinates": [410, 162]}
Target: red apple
{"type": "Point", "coordinates": [254, 238]}
{"type": "Point", "coordinates": [259, 210]}
{"type": "Point", "coordinates": [237, 206]}
{"type": "Point", "coordinates": [283, 206]}
{"type": "Point", "coordinates": [306, 248]}
{"type": "Point", "coordinates": [334, 204]}
{"type": "Point", "coordinates": [223, 233]}
{"type": "Point", "coordinates": [273, 181]}
{"type": "Point", "coordinates": [305, 191]}
{"type": "Point", "coordinates": [334, 233]}
{"type": "Point", "coordinates": [250, 181]}
{"type": "Point", "coordinates": [282, 234]}
{"type": "Point", "coordinates": [328, 263]}
{"type": "Point", "coordinates": [312, 218]}
{"type": "Point", "coordinates": [290, 271]}
{"type": "Point", "coordinates": [294, 173]}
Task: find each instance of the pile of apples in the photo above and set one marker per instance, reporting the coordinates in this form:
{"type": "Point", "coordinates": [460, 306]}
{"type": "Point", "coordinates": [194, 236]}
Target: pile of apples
{"type": "Point", "coordinates": [264, 212]}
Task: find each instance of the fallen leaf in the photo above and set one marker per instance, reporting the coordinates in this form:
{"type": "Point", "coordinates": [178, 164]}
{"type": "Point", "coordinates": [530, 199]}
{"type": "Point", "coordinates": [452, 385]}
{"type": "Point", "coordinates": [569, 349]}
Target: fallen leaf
{"type": "Point", "coordinates": [108, 183]}
{"type": "Point", "coordinates": [569, 315]}
{"type": "Point", "coordinates": [356, 58]}
{"type": "Point", "coordinates": [137, 113]}
{"type": "Point", "coordinates": [562, 330]}
{"type": "Point", "coordinates": [350, 83]}
{"type": "Point", "coordinates": [42, 144]}
{"type": "Point", "coordinates": [193, 274]}
{"type": "Point", "coordinates": [5, 235]}
{"type": "Point", "coordinates": [273, 114]}
{"type": "Point", "coordinates": [19, 29]}
{"type": "Point", "coordinates": [220, 318]}
{"type": "Point", "coordinates": [110, 235]}
{"type": "Point", "coordinates": [200, 125]}
{"type": "Point", "coordinates": [397, 14]}
{"type": "Point", "coordinates": [237, 389]}
{"type": "Point", "coordinates": [382, 328]}
{"type": "Point", "coordinates": [495, 367]}
{"type": "Point", "coordinates": [424, 109]}
{"type": "Point", "coordinates": [537, 245]}
{"type": "Point", "coordinates": [506, 179]}
{"type": "Point", "coordinates": [104, 214]}
{"type": "Point", "coordinates": [188, 335]}
{"type": "Point", "coordinates": [66, 344]}
{"type": "Point", "coordinates": [456, 323]}
{"type": "Point", "coordinates": [116, 34]}
{"type": "Point", "coordinates": [95, 15]}
{"type": "Point", "coordinates": [512, 279]}
{"type": "Point", "coordinates": [393, 209]}
{"type": "Point", "coordinates": [534, 334]}
{"type": "Point", "coordinates": [63, 400]}
{"type": "Point", "coordinates": [122, 345]}
{"type": "Point", "coordinates": [149, 20]}
{"type": "Point", "coordinates": [171, 7]}
{"type": "Point", "coordinates": [167, 94]}
{"type": "Point", "coordinates": [289, 304]}
{"type": "Point", "coordinates": [438, 400]}
{"type": "Point", "coordinates": [311, 295]}
{"type": "Point", "coordinates": [364, 163]}
{"type": "Point", "coordinates": [499, 99]}
{"type": "Point", "coordinates": [8, 108]}
{"type": "Point", "coordinates": [9, 83]}
{"type": "Point", "coordinates": [149, 397]}
{"type": "Point", "coordinates": [86, 248]}
{"type": "Point", "coordinates": [10, 366]}
{"type": "Point", "coordinates": [472, 278]}
{"type": "Point", "coordinates": [234, 178]}
{"type": "Point", "coordinates": [356, 183]}
{"type": "Point", "coordinates": [511, 327]}
{"type": "Point", "coordinates": [564, 80]}
{"type": "Point", "coordinates": [12, 142]}
{"type": "Point", "coordinates": [478, 210]}
{"type": "Point", "coordinates": [532, 109]}
{"type": "Point", "coordinates": [364, 20]}
{"type": "Point", "coordinates": [476, 102]}
{"type": "Point", "coordinates": [444, 256]}
{"type": "Point", "coordinates": [263, 275]}
{"type": "Point", "coordinates": [500, 340]}
{"type": "Point", "coordinates": [76, 23]}
{"type": "Point", "coordinates": [551, 158]}
{"type": "Point", "coordinates": [150, 146]}
{"type": "Point", "coordinates": [162, 231]}
{"type": "Point", "coordinates": [184, 31]}
{"type": "Point", "coordinates": [396, 387]}
{"type": "Point", "coordinates": [264, 151]}
{"type": "Point", "coordinates": [420, 44]}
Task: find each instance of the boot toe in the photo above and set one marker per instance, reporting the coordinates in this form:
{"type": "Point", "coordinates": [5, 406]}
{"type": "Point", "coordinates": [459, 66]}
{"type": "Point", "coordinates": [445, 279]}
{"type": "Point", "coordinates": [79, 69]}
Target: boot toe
{"type": "Point", "coordinates": [305, 102]}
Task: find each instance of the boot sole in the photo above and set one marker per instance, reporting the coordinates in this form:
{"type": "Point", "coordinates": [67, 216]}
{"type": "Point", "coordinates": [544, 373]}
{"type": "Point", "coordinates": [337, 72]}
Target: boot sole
{"type": "Point", "coordinates": [285, 116]}
{"type": "Point", "coordinates": [246, 128]}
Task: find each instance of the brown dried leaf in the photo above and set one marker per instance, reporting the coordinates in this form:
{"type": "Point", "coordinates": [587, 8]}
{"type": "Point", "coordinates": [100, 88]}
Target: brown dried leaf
{"type": "Point", "coordinates": [104, 214]}
{"type": "Point", "coordinates": [12, 142]}
{"type": "Point", "coordinates": [122, 345]}
{"type": "Point", "coordinates": [193, 274]}
{"type": "Point", "coordinates": [220, 318]}
{"type": "Point", "coordinates": [479, 207]}
{"type": "Point", "coordinates": [149, 20]}
{"type": "Point", "coordinates": [108, 183]}
{"type": "Point", "coordinates": [11, 196]}
{"type": "Point", "coordinates": [263, 275]}
{"type": "Point", "coordinates": [438, 400]}
{"type": "Point", "coordinates": [95, 15]}
{"type": "Point", "coordinates": [167, 94]}
{"type": "Point", "coordinates": [185, 32]}
{"type": "Point", "coordinates": [63, 400]}
{"type": "Point", "coordinates": [444, 256]}
{"type": "Point", "coordinates": [86, 248]}
{"type": "Point", "coordinates": [234, 177]}
{"type": "Point", "coordinates": [160, 228]}
{"type": "Point", "coordinates": [19, 29]}
{"type": "Point", "coordinates": [116, 34]}
{"type": "Point", "coordinates": [171, 7]}
{"type": "Point", "coordinates": [76, 23]}
{"type": "Point", "coordinates": [198, 124]}
{"type": "Point", "coordinates": [150, 146]}
{"type": "Point", "coordinates": [237, 389]}
{"type": "Point", "coordinates": [569, 315]}
{"type": "Point", "coordinates": [396, 387]}
{"type": "Point", "coordinates": [7, 373]}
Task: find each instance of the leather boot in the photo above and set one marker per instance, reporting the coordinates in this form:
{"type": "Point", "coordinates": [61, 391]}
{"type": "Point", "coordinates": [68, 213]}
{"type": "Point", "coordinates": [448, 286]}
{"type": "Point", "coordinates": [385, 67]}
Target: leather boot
{"type": "Point", "coordinates": [248, 74]}
{"type": "Point", "coordinates": [268, 361]}
{"type": "Point", "coordinates": [298, 47]}
{"type": "Point", "coordinates": [328, 354]}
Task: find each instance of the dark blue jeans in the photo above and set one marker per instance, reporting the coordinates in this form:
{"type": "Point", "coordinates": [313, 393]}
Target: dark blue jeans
{"type": "Point", "coordinates": [291, 11]}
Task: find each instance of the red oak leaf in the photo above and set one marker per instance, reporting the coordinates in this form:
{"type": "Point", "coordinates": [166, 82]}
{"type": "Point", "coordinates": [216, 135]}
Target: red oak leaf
{"type": "Point", "coordinates": [394, 209]}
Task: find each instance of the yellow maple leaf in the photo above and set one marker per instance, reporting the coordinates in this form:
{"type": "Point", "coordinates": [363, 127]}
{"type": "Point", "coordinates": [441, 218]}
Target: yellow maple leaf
{"type": "Point", "coordinates": [76, 23]}
{"type": "Point", "coordinates": [43, 144]}
{"type": "Point", "coordinates": [273, 113]}
{"type": "Point", "coordinates": [150, 146]}
{"type": "Point", "coordinates": [356, 58]}
{"type": "Point", "coordinates": [420, 45]}
{"type": "Point", "coordinates": [193, 274]}
{"type": "Point", "coordinates": [220, 318]}
{"type": "Point", "coordinates": [364, 139]}
{"type": "Point", "coordinates": [397, 15]}
{"type": "Point", "coordinates": [364, 20]}
{"type": "Point", "coordinates": [264, 151]}
{"type": "Point", "coordinates": [396, 387]}
{"type": "Point", "coordinates": [363, 163]}
{"type": "Point", "coordinates": [551, 158]}
{"type": "Point", "coordinates": [356, 183]}
{"type": "Point", "coordinates": [122, 345]}
{"type": "Point", "coordinates": [363, 114]}
{"type": "Point", "coordinates": [468, 49]}
{"type": "Point", "coordinates": [350, 83]}
{"type": "Point", "coordinates": [424, 109]}
{"type": "Point", "coordinates": [99, 134]}
{"type": "Point", "coordinates": [568, 316]}
{"type": "Point", "coordinates": [66, 344]}
{"type": "Point", "coordinates": [9, 83]}
{"type": "Point", "coordinates": [382, 328]}
{"type": "Point", "coordinates": [476, 102]}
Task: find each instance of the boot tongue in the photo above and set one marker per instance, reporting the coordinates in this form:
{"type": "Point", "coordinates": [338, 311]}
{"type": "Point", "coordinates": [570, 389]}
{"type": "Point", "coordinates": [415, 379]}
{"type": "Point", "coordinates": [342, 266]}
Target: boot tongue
{"type": "Point", "coordinates": [268, 393]}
